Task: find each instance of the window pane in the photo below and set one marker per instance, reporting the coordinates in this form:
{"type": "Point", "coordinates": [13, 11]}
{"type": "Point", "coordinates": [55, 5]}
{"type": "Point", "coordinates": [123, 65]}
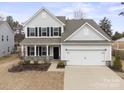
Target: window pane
{"type": "Point", "coordinates": [56, 33]}
{"type": "Point", "coordinates": [31, 50]}
{"type": "Point", "coordinates": [44, 31]}
{"type": "Point", "coordinates": [32, 31]}
{"type": "Point", "coordinates": [56, 29]}
{"type": "Point", "coordinates": [43, 50]}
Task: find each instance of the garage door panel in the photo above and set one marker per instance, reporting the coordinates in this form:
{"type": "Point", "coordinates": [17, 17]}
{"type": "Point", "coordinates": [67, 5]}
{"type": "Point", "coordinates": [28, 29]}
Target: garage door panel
{"type": "Point", "coordinates": [85, 57]}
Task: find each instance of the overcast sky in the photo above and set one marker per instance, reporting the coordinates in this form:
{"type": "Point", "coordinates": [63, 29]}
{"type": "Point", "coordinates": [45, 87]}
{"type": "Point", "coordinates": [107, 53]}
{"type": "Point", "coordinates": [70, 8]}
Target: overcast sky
{"type": "Point", "coordinates": [22, 11]}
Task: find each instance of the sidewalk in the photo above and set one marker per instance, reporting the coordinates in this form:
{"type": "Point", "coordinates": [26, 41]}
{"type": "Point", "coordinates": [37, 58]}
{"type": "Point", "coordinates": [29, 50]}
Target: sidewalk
{"type": "Point", "coordinates": [53, 67]}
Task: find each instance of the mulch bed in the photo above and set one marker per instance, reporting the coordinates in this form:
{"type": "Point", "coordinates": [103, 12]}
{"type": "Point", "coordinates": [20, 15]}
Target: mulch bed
{"type": "Point", "coordinates": [28, 67]}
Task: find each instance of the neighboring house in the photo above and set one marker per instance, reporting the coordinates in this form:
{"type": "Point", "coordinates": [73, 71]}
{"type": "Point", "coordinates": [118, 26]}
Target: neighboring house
{"type": "Point", "coordinates": [118, 44]}
{"type": "Point", "coordinates": [78, 42]}
{"type": "Point", "coordinates": [6, 39]}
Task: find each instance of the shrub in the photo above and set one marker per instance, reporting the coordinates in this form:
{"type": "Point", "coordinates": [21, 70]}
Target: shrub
{"type": "Point", "coordinates": [26, 62]}
{"type": "Point", "coordinates": [61, 64]}
{"type": "Point", "coordinates": [117, 62]}
{"type": "Point", "coordinates": [36, 62]}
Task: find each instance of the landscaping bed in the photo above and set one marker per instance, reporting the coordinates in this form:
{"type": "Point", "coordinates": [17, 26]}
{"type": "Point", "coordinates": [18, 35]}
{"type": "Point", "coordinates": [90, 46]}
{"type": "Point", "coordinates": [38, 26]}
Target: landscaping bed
{"type": "Point", "coordinates": [25, 67]}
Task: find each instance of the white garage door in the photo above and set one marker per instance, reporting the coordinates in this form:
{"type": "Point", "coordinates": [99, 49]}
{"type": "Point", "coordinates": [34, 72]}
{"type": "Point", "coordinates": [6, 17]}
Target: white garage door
{"type": "Point", "coordinates": [85, 57]}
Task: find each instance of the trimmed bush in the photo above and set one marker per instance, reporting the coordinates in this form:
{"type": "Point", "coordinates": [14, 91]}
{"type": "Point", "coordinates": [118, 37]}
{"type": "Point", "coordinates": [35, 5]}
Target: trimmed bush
{"type": "Point", "coordinates": [35, 62]}
{"type": "Point", "coordinates": [61, 64]}
{"type": "Point", "coordinates": [26, 62]}
{"type": "Point", "coordinates": [117, 62]}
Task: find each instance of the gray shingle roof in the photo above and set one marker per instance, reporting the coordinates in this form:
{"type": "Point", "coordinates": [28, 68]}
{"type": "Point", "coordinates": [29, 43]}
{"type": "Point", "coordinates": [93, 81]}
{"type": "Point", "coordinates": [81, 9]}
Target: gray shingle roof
{"type": "Point", "coordinates": [62, 18]}
{"type": "Point", "coordinates": [73, 25]}
{"type": "Point", "coordinates": [37, 41]}
{"type": "Point", "coordinates": [70, 27]}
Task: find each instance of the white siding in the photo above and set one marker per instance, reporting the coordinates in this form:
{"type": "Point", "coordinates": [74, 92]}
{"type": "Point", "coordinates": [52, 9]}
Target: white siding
{"type": "Point", "coordinates": [5, 31]}
{"type": "Point", "coordinates": [85, 46]}
{"type": "Point", "coordinates": [86, 33]}
{"type": "Point", "coordinates": [40, 21]}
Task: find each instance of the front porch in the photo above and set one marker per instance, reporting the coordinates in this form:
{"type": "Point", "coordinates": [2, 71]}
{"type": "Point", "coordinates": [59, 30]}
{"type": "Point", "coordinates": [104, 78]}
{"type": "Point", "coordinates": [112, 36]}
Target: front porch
{"type": "Point", "coordinates": [40, 52]}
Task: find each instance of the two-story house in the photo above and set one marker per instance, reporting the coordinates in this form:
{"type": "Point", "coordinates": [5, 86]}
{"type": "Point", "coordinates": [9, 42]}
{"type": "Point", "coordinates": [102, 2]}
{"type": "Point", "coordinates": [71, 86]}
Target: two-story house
{"type": "Point", "coordinates": [6, 39]}
{"type": "Point", "coordinates": [78, 41]}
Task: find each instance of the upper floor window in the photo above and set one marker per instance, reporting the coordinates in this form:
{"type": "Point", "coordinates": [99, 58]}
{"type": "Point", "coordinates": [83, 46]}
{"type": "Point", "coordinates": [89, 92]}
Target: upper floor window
{"type": "Point", "coordinates": [2, 38]}
{"type": "Point", "coordinates": [56, 31]}
{"type": "Point", "coordinates": [7, 38]}
{"type": "Point", "coordinates": [31, 31]}
{"type": "Point", "coordinates": [44, 31]}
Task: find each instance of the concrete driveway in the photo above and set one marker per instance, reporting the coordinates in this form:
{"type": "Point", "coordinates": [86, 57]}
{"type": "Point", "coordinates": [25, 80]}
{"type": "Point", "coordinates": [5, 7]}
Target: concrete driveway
{"type": "Point", "coordinates": [91, 77]}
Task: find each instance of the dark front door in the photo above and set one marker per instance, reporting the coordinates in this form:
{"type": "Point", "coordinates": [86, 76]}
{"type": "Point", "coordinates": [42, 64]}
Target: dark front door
{"type": "Point", "coordinates": [56, 52]}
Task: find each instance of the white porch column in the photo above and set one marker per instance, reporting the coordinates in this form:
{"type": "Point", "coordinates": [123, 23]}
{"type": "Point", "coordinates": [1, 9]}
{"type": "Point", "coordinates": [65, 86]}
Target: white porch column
{"type": "Point", "coordinates": [47, 52]}
{"type": "Point", "coordinates": [35, 50]}
{"type": "Point", "coordinates": [22, 50]}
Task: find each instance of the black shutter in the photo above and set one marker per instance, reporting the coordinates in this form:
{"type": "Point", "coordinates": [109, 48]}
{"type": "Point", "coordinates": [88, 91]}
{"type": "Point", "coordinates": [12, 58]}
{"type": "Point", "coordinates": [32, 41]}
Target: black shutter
{"type": "Point", "coordinates": [35, 31]}
{"type": "Point", "coordinates": [28, 51]}
{"type": "Point", "coordinates": [27, 31]}
{"type": "Point", "coordinates": [51, 31]}
{"type": "Point", "coordinates": [39, 31]}
{"type": "Point", "coordinates": [59, 31]}
{"type": "Point", "coordinates": [47, 31]}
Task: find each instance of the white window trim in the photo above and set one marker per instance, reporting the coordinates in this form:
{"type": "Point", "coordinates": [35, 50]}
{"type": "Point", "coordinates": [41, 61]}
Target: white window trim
{"type": "Point", "coordinates": [55, 31]}
{"type": "Point", "coordinates": [42, 50]}
{"type": "Point", "coordinates": [43, 31]}
{"type": "Point", "coordinates": [46, 32]}
{"type": "Point", "coordinates": [30, 50]}
{"type": "Point", "coordinates": [32, 29]}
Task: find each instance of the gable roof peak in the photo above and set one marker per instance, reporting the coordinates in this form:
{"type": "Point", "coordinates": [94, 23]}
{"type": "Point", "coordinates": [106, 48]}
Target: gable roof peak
{"type": "Point", "coordinates": [46, 10]}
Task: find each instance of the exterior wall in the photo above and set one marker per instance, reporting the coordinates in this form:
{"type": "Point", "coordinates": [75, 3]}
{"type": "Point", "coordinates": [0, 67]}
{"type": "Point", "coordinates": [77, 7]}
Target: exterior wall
{"type": "Point", "coordinates": [85, 46]}
{"type": "Point", "coordinates": [42, 21]}
{"type": "Point", "coordinates": [5, 31]}
{"type": "Point", "coordinates": [86, 33]}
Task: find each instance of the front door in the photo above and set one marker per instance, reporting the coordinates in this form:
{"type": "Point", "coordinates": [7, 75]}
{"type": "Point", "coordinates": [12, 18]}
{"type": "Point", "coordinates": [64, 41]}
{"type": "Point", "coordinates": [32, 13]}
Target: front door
{"type": "Point", "coordinates": [56, 52]}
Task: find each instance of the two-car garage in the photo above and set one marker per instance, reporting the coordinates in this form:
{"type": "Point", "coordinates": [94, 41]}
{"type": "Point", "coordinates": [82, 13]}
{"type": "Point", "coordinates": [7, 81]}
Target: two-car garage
{"type": "Point", "coordinates": [86, 55]}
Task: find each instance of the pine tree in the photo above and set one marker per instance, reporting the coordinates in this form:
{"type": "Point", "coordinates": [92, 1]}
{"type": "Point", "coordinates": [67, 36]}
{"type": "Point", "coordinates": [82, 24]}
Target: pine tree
{"type": "Point", "coordinates": [105, 25]}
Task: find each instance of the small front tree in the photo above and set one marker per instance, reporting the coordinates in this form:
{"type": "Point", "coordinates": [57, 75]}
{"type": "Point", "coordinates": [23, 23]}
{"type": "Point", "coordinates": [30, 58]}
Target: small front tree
{"type": "Point", "coordinates": [117, 62]}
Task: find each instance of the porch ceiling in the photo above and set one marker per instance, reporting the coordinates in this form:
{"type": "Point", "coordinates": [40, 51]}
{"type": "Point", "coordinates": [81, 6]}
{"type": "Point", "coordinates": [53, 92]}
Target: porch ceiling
{"type": "Point", "coordinates": [29, 41]}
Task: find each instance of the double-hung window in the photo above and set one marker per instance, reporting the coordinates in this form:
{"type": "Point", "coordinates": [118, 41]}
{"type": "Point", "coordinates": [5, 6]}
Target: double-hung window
{"type": "Point", "coordinates": [7, 38]}
{"type": "Point", "coordinates": [43, 50]}
{"type": "Point", "coordinates": [44, 31]}
{"type": "Point", "coordinates": [31, 51]}
{"type": "Point", "coordinates": [32, 32]}
{"type": "Point", "coordinates": [56, 31]}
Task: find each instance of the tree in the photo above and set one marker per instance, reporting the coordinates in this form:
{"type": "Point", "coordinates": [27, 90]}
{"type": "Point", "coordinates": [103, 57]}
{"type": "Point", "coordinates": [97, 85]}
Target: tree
{"type": "Point", "coordinates": [79, 14]}
{"type": "Point", "coordinates": [105, 25]}
{"type": "Point", "coordinates": [117, 35]}
{"type": "Point", "coordinates": [14, 24]}
{"type": "Point", "coordinates": [10, 20]}
{"type": "Point", "coordinates": [122, 13]}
